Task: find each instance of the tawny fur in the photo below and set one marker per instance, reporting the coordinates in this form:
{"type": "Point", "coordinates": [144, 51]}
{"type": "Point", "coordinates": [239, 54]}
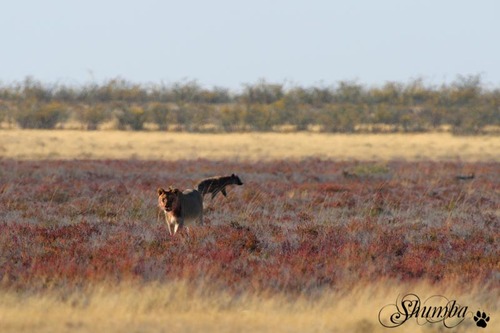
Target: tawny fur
{"type": "Point", "coordinates": [180, 208]}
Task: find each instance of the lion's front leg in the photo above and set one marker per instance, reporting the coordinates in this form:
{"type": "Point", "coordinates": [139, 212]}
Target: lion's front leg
{"type": "Point", "coordinates": [178, 223]}
{"type": "Point", "coordinates": [167, 220]}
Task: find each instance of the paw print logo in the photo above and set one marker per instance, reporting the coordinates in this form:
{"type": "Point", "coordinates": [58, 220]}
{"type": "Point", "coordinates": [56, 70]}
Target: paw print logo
{"type": "Point", "coordinates": [481, 319]}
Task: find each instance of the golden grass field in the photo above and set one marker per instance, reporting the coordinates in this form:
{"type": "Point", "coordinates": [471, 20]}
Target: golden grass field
{"type": "Point", "coordinates": [70, 144]}
{"type": "Point", "coordinates": [174, 307]}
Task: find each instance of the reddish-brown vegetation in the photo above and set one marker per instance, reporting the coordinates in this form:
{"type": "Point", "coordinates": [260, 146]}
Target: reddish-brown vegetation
{"type": "Point", "coordinates": [295, 226]}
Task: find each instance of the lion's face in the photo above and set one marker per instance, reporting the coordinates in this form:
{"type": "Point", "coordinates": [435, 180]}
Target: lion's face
{"type": "Point", "coordinates": [167, 200]}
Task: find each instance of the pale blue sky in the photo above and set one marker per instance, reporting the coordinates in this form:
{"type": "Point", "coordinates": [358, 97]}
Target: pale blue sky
{"type": "Point", "coordinates": [229, 43]}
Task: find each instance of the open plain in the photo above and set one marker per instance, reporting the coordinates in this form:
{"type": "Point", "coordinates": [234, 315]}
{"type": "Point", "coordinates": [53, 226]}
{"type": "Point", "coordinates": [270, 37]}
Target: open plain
{"type": "Point", "coordinates": [325, 231]}
{"type": "Point", "coordinates": [71, 144]}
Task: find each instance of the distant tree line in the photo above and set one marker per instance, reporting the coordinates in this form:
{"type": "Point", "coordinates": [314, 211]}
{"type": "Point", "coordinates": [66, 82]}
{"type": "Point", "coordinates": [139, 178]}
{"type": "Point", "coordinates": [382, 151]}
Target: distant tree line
{"type": "Point", "coordinates": [464, 106]}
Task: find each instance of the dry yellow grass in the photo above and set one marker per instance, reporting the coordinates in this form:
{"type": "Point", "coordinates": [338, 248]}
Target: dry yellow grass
{"type": "Point", "coordinates": [174, 307]}
{"type": "Point", "coordinates": [70, 144]}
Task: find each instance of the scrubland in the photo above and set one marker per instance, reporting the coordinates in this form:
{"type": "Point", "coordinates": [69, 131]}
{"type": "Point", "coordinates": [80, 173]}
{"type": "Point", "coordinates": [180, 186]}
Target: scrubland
{"type": "Point", "coordinates": [465, 106]}
{"type": "Point", "coordinates": [305, 245]}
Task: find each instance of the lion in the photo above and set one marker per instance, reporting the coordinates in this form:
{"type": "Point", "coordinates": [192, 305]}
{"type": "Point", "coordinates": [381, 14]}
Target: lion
{"type": "Point", "coordinates": [181, 208]}
{"type": "Point", "coordinates": [218, 184]}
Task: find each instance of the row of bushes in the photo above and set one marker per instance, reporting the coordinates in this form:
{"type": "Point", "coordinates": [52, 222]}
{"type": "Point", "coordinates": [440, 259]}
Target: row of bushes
{"type": "Point", "coordinates": [464, 105]}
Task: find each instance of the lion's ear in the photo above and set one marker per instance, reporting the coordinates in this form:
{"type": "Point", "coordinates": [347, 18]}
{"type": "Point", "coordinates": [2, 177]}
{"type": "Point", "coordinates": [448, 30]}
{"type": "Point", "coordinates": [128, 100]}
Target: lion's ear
{"type": "Point", "coordinates": [160, 191]}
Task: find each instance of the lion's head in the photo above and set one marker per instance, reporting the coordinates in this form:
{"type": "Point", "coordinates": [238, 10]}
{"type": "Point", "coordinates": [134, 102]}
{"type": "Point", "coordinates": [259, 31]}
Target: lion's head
{"type": "Point", "coordinates": [168, 200]}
